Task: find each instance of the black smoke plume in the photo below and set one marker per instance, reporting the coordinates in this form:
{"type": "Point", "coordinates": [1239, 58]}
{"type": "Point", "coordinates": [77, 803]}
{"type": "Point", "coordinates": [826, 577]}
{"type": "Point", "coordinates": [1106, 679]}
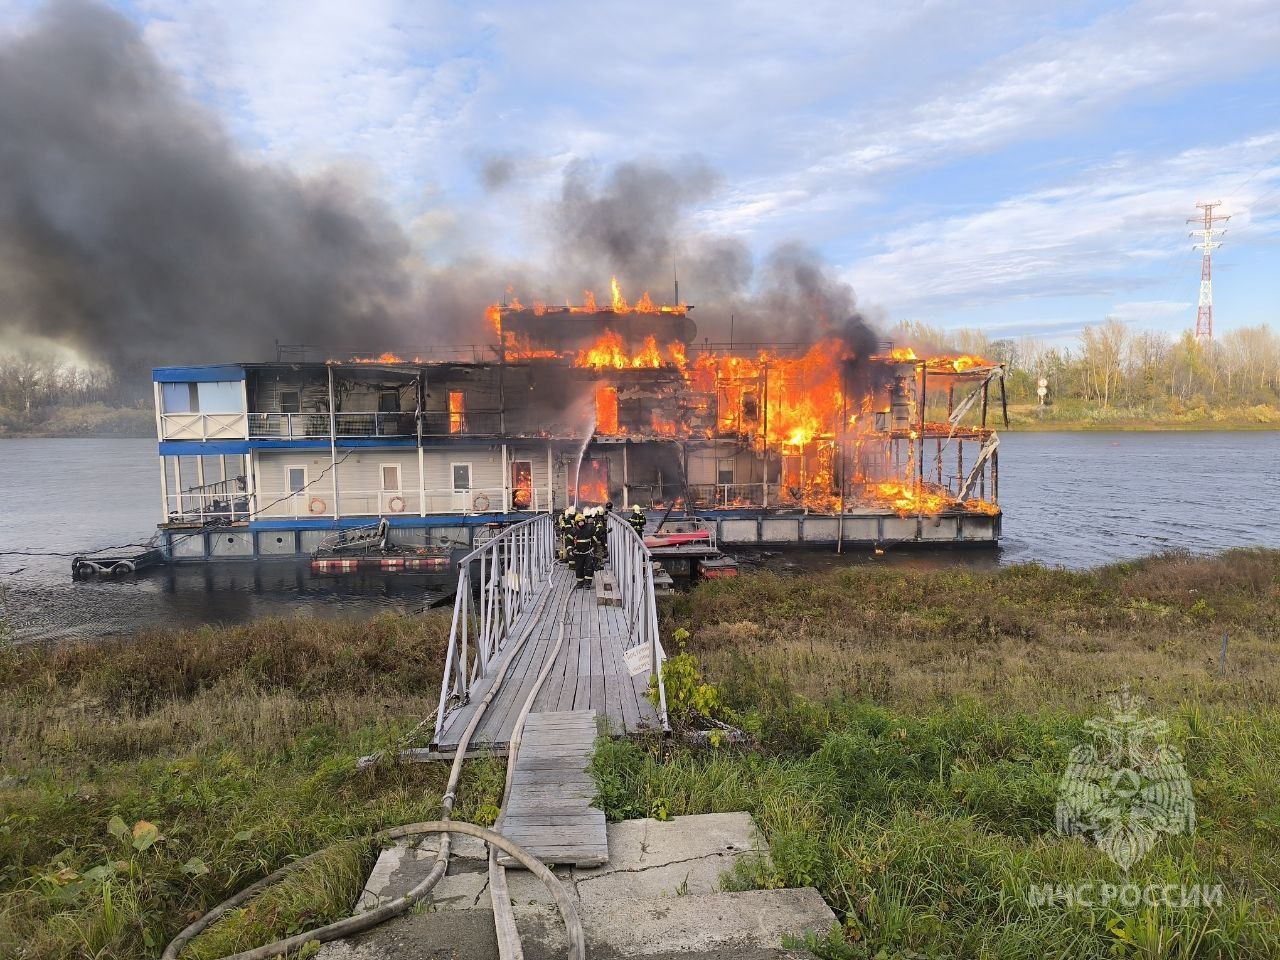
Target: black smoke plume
{"type": "Point", "coordinates": [133, 229]}
{"type": "Point", "coordinates": [131, 226]}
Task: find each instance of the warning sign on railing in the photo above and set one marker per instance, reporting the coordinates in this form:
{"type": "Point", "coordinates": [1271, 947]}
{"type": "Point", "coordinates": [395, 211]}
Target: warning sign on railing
{"type": "Point", "coordinates": [639, 658]}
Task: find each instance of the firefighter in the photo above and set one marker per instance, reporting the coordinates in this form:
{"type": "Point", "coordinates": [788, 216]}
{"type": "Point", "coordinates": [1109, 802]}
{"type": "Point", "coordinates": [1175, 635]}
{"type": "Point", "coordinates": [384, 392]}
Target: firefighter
{"type": "Point", "coordinates": [564, 526]}
{"type": "Point", "coordinates": [583, 551]}
{"type": "Point", "coordinates": [637, 520]}
{"type": "Point", "coordinates": [601, 533]}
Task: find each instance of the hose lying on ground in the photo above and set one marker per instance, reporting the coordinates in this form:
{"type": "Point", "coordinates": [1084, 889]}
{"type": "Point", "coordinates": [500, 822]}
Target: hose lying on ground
{"type": "Point", "coordinates": [503, 918]}
{"type": "Point", "coordinates": [445, 826]}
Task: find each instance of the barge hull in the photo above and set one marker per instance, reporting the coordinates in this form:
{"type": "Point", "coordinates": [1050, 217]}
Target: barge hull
{"type": "Point", "coordinates": [286, 539]}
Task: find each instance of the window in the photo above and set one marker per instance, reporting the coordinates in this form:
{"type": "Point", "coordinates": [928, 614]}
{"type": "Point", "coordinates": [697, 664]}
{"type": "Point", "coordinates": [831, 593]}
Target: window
{"type": "Point", "coordinates": [521, 484]}
{"type": "Point", "coordinates": [290, 401]}
{"type": "Point", "coordinates": [296, 477]}
{"type": "Point", "coordinates": [389, 401]}
{"type": "Point", "coordinates": [219, 396]}
{"type": "Point", "coordinates": [391, 478]}
{"type": "Point", "coordinates": [461, 477]}
{"type": "Point", "coordinates": [178, 398]}
{"type": "Point", "coordinates": [457, 412]}
{"type": "Point", "coordinates": [726, 475]}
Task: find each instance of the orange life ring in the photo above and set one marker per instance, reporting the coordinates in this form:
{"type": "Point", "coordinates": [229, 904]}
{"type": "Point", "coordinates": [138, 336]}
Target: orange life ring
{"type": "Point", "coordinates": [476, 502]}
{"type": "Point", "coordinates": [396, 504]}
{"type": "Point", "coordinates": [317, 506]}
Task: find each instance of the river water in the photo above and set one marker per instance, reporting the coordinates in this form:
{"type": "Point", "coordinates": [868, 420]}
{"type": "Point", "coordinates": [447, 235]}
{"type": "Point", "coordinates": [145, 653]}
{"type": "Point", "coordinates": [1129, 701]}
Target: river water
{"type": "Point", "coordinates": [1070, 499]}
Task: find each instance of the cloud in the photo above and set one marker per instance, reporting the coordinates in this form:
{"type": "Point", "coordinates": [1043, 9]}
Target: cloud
{"type": "Point", "coordinates": [1112, 229]}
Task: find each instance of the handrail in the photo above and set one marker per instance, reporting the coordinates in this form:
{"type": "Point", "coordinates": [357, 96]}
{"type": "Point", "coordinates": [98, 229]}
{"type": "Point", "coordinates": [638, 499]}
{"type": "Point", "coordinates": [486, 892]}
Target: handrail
{"type": "Point", "coordinates": [632, 565]}
{"type": "Point", "coordinates": [508, 571]}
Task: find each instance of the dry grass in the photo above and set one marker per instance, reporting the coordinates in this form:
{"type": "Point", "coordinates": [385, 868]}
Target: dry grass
{"type": "Point", "coordinates": [238, 743]}
{"type": "Point", "coordinates": [1022, 638]}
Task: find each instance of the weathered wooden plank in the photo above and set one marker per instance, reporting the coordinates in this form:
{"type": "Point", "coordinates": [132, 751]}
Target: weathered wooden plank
{"type": "Point", "coordinates": [548, 812]}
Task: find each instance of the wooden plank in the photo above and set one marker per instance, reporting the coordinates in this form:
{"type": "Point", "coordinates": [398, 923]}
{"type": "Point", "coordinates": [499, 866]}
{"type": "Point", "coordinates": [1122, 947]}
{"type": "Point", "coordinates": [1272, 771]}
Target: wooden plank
{"type": "Point", "coordinates": [548, 812]}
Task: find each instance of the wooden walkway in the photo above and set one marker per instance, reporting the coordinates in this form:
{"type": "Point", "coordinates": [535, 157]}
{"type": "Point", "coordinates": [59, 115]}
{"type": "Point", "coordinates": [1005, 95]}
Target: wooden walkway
{"type": "Point", "coordinates": [549, 811]}
{"type": "Point", "coordinates": [589, 672]}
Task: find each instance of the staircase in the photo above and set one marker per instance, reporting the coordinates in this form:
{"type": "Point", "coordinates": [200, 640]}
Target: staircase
{"type": "Point", "coordinates": [658, 896]}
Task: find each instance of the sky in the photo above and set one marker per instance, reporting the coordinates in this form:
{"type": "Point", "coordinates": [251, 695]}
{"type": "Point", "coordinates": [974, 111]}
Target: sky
{"type": "Point", "coordinates": [1022, 168]}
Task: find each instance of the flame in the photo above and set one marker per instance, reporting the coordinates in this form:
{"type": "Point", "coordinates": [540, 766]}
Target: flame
{"type": "Point", "coordinates": [792, 409]}
{"type": "Point", "coordinates": [606, 409]}
{"type": "Point", "coordinates": [593, 482]}
{"type": "Point", "coordinates": [609, 351]}
{"type": "Point", "coordinates": [619, 303]}
{"type": "Point", "coordinates": [457, 412]}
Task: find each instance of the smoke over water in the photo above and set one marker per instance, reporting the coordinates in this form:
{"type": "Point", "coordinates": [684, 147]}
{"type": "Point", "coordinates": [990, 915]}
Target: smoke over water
{"type": "Point", "coordinates": [133, 229]}
{"type": "Point", "coordinates": [131, 225]}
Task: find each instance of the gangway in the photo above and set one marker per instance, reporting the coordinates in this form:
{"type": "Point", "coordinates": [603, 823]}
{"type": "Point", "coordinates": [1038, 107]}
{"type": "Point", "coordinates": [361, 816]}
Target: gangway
{"type": "Point", "coordinates": [512, 587]}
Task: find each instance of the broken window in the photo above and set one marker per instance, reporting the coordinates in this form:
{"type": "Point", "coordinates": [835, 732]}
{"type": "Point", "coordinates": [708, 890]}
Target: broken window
{"type": "Point", "coordinates": [457, 412]}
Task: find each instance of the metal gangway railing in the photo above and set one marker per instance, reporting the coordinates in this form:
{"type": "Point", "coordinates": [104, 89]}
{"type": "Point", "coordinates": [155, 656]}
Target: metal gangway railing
{"type": "Point", "coordinates": [632, 566]}
{"type": "Point", "coordinates": [510, 571]}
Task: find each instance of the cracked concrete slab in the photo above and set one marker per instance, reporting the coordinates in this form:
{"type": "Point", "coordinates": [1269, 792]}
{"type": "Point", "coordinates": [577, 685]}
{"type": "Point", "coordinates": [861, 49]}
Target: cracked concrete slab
{"type": "Point", "coordinates": [746, 924]}
{"type": "Point", "coordinates": [658, 896]}
{"type": "Point", "coordinates": [647, 858]}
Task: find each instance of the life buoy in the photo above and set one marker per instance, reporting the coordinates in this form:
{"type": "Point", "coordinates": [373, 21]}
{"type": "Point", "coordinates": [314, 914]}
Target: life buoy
{"type": "Point", "coordinates": [396, 504]}
{"type": "Point", "coordinates": [317, 506]}
{"type": "Point", "coordinates": [480, 502]}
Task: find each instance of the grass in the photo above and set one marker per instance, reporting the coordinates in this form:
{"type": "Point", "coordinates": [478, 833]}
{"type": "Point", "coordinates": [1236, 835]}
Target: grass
{"type": "Point", "coordinates": [1086, 415]}
{"type": "Point", "coordinates": [83, 420]}
{"type": "Point", "coordinates": [910, 731]}
{"type": "Point", "coordinates": [239, 745]}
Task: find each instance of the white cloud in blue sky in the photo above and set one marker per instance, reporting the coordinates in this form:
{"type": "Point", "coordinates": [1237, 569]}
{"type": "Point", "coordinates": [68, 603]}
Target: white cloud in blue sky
{"type": "Point", "coordinates": [968, 164]}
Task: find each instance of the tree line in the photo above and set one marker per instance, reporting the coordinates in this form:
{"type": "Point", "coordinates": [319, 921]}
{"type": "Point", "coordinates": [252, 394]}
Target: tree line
{"type": "Point", "coordinates": [1114, 368]}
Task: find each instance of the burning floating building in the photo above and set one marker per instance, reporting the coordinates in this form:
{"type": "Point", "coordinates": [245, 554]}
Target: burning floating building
{"type": "Point", "coordinates": [819, 443]}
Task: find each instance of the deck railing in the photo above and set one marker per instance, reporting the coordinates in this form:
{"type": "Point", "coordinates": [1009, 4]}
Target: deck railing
{"type": "Point", "coordinates": [496, 582]}
{"type": "Point", "coordinates": [317, 501]}
{"type": "Point", "coordinates": [203, 426]}
{"type": "Point", "coordinates": [632, 566]}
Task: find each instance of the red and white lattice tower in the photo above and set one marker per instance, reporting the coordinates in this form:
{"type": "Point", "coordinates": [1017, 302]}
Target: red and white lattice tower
{"type": "Point", "coordinates": [1207, 234]}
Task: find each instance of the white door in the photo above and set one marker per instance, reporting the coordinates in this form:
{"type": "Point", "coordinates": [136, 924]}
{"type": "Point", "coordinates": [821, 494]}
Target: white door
{"type": "Point", "coordinates": [392, 496]}
{"type": "Point", "coordinates": [296, 481]}
{"type": "Point", "coordinates": [461, 486]}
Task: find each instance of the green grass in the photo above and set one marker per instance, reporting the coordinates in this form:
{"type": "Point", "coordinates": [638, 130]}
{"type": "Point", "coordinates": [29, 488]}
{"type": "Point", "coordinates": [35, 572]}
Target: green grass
{"type": "Point", "coordinates": [1087, 415]}
{"type": "Point", "coordinates": [909, 727]}
{"type": "Point", "coordinates": [912, 729]}
{"type": "Point", "coordinates": [239, 745]}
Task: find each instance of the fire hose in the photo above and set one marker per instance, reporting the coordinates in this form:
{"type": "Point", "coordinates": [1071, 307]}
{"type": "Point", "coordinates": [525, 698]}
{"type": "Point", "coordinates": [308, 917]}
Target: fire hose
{"type": "Point", "coordinates": [446, 826]}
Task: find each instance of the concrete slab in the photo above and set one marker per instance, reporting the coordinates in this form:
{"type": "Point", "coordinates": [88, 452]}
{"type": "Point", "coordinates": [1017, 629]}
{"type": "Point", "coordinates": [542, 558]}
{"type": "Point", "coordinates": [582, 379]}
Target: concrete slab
{"type": "Point", "coordinates": [745, 924]}
{"type": "Point", "coordinates": [652, 858]}
{"type": "Point", "coordinates": [647, 858]}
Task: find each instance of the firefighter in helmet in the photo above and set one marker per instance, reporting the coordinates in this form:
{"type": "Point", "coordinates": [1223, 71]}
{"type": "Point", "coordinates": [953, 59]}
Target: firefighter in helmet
{"type": "Point", "coordinates": [583, 551]}
{"type": "Point", "coordinates": [637, 520]}
{"type": "Point", "coordinates": [564, 527]}
{"type": "Point", "coordinates": [600, 531]}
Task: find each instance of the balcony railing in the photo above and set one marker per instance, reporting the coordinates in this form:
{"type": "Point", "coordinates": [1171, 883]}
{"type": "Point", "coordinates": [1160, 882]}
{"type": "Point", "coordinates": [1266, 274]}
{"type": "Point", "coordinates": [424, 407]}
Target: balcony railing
{"type": "Point", "coordinates": [202, 426]}
{"type": "Point", "coordinates": [727, 496]}
{"type": "Point", "coordinates": [303, 426]}
{"type": "Point", "coordinates": [317, 501]}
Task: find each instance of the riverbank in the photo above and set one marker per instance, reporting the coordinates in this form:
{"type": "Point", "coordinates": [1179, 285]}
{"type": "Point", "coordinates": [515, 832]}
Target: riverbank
{"type": "Point", "coordinates": [1077, 416]}
{"type": "Point", "coordinates": [91, 420]}
{"type": "Point", "coordinates": [910, 730]}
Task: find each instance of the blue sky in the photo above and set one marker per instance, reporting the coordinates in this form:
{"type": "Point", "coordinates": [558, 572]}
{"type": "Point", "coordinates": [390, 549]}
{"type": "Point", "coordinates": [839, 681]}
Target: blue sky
{"type": "Point", "coordinates": [1014, 167]}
